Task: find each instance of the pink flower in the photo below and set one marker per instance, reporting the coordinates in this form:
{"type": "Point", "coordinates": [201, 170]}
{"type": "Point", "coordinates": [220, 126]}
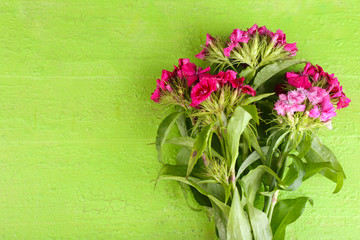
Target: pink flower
{"type": "Point", "coordinates": [291, 47]}
{"type": "Point", "coordinates": [209, 40]}
{"type": "Point", "coordinates": [237, 82]}
{"type": "Point", "coordinates": [166, 75]}
{"type": "Point", "coordinates": [191, 72]}
{"type": "Point", "coordinates": [202, 54]}
{"type": "Point", "coordinates": [155, 96]}
{"type": "Point", "coordinates": [248, 90]}
{"type": "Point", "coordinates": [327, 111]}
{"type": "Point", "coordinates": [202, 90]}
{"type": "Point", "coordinates": [290, 102]}
{"type": "Point", "coordinates": [264, 31]}
{"type": "Point", "coordinates": [343, 102]}
{"type": "Point", "coordinates": [252, 30]}
{"type": "Point", "coordinates": [229, 49]}
{"type": "Point", "coordinates": [279, 37]}
{"type": "Point", "coordinates": [317, 95]}
{"type": "Point", "coordinates": [177, 70]}
{"type": "Point", "coordinates": [298, 81]}
{"type": "Point", "coordinates": [314, 112]}
{"type": "Point", "coordinates": [296, 96]}
{"type": "Point", "coordinates": [239, 36]}
{"type": "Point", "coordinates": [225, 77]}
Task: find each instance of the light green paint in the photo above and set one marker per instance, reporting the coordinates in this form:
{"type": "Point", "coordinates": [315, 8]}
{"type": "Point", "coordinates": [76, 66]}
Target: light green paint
{"type": "Point", "coordinates": [75, 82]}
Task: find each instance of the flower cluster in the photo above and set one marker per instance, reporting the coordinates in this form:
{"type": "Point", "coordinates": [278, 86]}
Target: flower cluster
{"type": "Point", "coordinates": [312, 92]}
{"type": "Point", "coordinates": [188, 78]}
{"type": "Point", "coordinates": [180, 79]}
{"type": "Point", "coordinates": [315, 76]}
{"type": "Point", "coordinates": [278, 38]}
{"type": "Point", "coordinates": [315, 100]}
{"type": "Point", "coordinates": [255, 47]}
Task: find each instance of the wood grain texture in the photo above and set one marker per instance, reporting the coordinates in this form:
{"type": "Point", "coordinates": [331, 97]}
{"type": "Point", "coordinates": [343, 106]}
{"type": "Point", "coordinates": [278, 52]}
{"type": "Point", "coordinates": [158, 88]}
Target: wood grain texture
{"type": "Point", "coordinates": [76, 118]}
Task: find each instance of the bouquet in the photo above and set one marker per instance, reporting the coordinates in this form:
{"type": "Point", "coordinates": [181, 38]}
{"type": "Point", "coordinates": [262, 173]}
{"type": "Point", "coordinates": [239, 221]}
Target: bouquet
{"type": "Point", "coordinates": [247, 130]}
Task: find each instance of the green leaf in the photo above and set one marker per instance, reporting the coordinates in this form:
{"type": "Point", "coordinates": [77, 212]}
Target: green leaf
{"type": "Point", "coordinates": [253, 157]}
{"type": "Point", "coordinates": [180, 122]}
{"type": "Point", "coordinates": [183, 156]}
{"type": "Point", "coordinates": [238, 227]}
{"type": "Point", "coordinates": [313, 168]}
{"type": "Point", "coordinates": [272, 69]}
{"type": "Point", "coordinates": [259, 223]}
{"type": "Point", "coordinates": [294, 177]}
{"type": "Point", "coordinates": [237, 124]}
{"type": "Point", "coordinates": [199, 147]}
{"type": "Point", "coordinates": [320, 153]}
{"type": "Point", "coordinates": [163, 131]}
{"type": "Point", "coordinates": [252, 139]}
{"type": "Point", "coordinates": [286, 212]}
{"type": "Point", "coordinates": [251, 109]}
{"type": "Point", "coordinates": [256, 98]}
{"type": "Point", "coordinates": [304, 146]}
{"type": "Point", "coordinates": [272, 173]}
{"type": "Point", "coordinates": [252, 182]}
{"type": "Point", "coordinates": [276, 140]}
{"type": "Point", "coordinates": [220, 222]}
{"type": "Point", "coordinates": [188, 142]}
{"type": "Point", "coordinates": [185, 188]}
{"type": "Point", "coordinates": [248, 73]}
{"type": "Point", "coordinates": [177, 173]}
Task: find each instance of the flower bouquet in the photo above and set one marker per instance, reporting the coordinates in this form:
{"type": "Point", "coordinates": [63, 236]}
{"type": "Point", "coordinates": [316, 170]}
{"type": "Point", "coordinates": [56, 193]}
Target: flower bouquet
{"type": "Point", "coordinates": [247, 131]}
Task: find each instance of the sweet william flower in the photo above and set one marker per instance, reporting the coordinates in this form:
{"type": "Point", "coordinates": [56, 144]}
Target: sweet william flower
{"type": "Point", "coordinates": [317, 95]}
{"type": "Point", "coordinates": [248, 90]}
{"type": "Point", "coordinates": [236, 37]}
{"type": "Point", "coordinates": [314, 112]}
{"type": "Point", "coordinates": [291, 47]}
{"type": "Point", "coordinates": [343, 102]}
{"type": "Point", "coordinates": [228, 50]}
{"type": "Point", "coordinates": [239, 36]}
{"type": "Point", "coordinates": [192, 72]}
{"type": "Point", "coordinates": [297, 80]}
{"type": "Point", "coordinates": [202, 54]}
{"type": "Point", "coordinates": [225, 77]}
{"type": "Point", "coordinates": [155, 96]}
{"type": "Point", "coordinates": [203, 89]}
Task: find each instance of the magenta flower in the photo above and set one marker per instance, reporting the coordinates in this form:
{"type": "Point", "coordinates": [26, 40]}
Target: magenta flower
{"type": "Point", "coordinates": [264, 31]}
{"type": "Point", "coordinates": [291, 47]}
{"type": "Point", "coordinates": [239, 36]}
{"type": "Point", "coordinates": [225, 77]}
{"type": "Point", "coordinates": [327, 110]}
{"type": "Point", "coordinates": [279, 37]}
{"type": "Point", "coordinates": [248, 90]}
{"type": "Point", "coordinates": [192, 72]}
{"type": "Point", "coordinates": [155, 96]}
{"type": "Point", "coordinates": [343, 102]}
{"type": "Point", "coordinates": [202, 90]}
{"type": "Point", "coordinates": [314, 112]}
{"type": "Point", "coordinates": [202, 54]}
{"type": "Point", "coordinates": [251, 31]}
{"type": "Point", "coordinates": [166, 75]}
{"type": "Point", "coordinates": [237, 82]}
{"type": "Point", "coordinates": [236, 37]}
{"type": "Point", "coordinates": [229, 48]}
{"type": "Point", "coordinates": [298, 81]}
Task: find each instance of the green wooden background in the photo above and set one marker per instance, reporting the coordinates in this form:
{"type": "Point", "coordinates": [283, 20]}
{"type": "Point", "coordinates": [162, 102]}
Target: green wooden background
{"type": "Point", "coordinates": [76, 118]}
